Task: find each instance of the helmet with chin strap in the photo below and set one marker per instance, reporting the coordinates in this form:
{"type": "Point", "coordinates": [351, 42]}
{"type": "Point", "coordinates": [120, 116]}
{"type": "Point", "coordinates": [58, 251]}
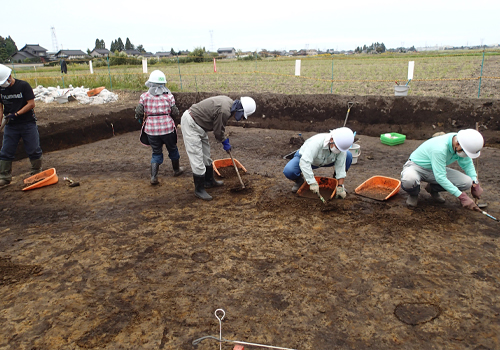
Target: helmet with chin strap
{"type": "Point", "coordinates": [471, 142]}
{"type": "Point", "coordinates": [157, 76]}
{"type": "Point", "coordinates": [249, 106]}
{"type": "Point", "coordinates": [343, 138]}
{"type": "Point", "coordinates": [4, 73]}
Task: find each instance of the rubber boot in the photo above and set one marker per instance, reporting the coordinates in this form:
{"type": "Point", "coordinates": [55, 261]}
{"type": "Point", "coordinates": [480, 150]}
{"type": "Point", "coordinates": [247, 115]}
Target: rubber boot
{"type": "Point", "coordinates": [154, 173]}
{"type": "Point", "coordinates": [412, 199]}
{"type": "Point", "coordinates": [434, 194]}
{"type": "Point", "coordinates": [5, 172]}
{"type": "Point", "coordinates": [209, 178]}
{"type": "Point", "coordinates": [178, 170]}
{"type": "Point", "coordinates": [298, 182]}
{"type": "Point", "coordinates": [199, 187]}
{"type": "Point", "coordinates": [36, 166]}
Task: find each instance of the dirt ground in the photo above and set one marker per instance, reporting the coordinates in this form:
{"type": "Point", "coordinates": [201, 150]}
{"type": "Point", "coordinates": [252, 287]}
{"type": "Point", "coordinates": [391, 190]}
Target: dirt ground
{"type": "Point", "coordinates": [119, 264]}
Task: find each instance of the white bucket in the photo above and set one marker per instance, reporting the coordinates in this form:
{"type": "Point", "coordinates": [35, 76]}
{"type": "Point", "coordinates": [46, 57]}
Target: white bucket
{"type": "Point", "coordinates": [401, 90]}
{"type": "Point", "coordinates": [355, 149]}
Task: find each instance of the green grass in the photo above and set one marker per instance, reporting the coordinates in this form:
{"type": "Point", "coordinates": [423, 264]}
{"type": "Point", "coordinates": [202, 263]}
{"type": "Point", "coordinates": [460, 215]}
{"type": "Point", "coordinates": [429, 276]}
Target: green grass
{"type": "Point", "coordinates": [454, 74]}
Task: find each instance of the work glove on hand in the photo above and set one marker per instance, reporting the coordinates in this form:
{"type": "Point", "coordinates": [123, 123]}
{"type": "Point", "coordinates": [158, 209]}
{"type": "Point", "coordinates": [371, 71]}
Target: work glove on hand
{"type": "Point", "coordinates": [226, 145]}
{"type": "Point", "coordinates": [476, 191]}
{"type": "Point", "coordinates": [11, 115]}
{"type": "Point", "coordinates": [340, 193]}
{"type": "Point", "coordinates": [314, 188]}
{"type": "Point", "coordinates": [467, 202]}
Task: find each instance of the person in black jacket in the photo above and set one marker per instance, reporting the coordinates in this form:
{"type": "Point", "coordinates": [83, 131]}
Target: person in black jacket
{"type": "Point", "coordinates": [64, 67]}
{"type": "Point", "coordinates": [17, 102]}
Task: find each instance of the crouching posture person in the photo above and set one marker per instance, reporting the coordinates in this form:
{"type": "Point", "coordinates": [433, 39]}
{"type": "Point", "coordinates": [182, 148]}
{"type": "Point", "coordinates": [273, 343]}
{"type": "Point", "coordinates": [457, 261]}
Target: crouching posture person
{"type": "Point", "coordinates": [154, 110]}
{"type": "Point", "coordinates": [211, 114]}
{"type": "Point", "coordinates": [17, 102]}
{"type": "Point", "coordinates": [322, 150]}
{"type": "Point", "coordinates": [429, 163]}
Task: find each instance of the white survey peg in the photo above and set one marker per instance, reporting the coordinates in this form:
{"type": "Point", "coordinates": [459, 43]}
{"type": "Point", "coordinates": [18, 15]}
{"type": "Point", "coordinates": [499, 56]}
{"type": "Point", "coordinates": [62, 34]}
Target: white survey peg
{"type": "Point", "coordinates": [411, 65]}
{"type": "Point", "coordinates": [144, 65]}
{"type": "Point", "coordinates": [297, 67]}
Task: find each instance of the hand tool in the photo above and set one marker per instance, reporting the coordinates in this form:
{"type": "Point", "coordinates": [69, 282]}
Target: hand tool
{"type": "Point", "coordinates": [488, 215]}
{"type": "Point", "coordinates": [236, 168]}
{"type": "Point", "coordinates": [349, 105]}
{"type": "Point", "coordinates": [221, 340]}
{"type": "Point", "coordinates": [71, 182]}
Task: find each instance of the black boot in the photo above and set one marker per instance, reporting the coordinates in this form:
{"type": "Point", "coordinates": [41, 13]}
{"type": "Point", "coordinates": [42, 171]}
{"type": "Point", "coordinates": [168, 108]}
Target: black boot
{"type": "Point", "coordinates": [209, 178]}
{"type": "Point", "coordinates": [199, 187]}
{"type": "Point", "coordinates": [5, 172]}
{"type": "Point", "coordinates": [298, 182]}
{"type": "Point", "coordinates": [36, 166]}
{"type": "Point", "coordinates": [178, 170]}
{"type": "Point", "coordinates": [154, 173]}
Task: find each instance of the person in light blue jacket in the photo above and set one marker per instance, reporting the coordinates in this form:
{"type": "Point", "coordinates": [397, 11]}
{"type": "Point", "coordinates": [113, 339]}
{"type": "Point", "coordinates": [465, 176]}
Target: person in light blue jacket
{"type": "Point", "coordinates": [322, 150]}
{"type": "Point", "coordinates": [429, 163]}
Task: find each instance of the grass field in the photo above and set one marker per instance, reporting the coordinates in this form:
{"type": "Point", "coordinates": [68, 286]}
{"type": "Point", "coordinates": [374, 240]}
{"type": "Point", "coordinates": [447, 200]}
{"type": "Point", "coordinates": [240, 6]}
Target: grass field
{"type": "Point", "coordinates": [439, 75]}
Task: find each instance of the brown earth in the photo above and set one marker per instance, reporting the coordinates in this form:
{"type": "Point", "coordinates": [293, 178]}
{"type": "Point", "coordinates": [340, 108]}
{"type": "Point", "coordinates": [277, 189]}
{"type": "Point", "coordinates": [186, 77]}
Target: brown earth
{"type": "Point", "coordinates": [119, 264]}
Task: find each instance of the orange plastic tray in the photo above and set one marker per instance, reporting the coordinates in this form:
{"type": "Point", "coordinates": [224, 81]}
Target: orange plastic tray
{"type": "Point", "coordinates": [326, 184]}
{"type": "Point", "coordinates": [95, 91]}
{"type": "Point", "coordinates": [45, 178]}
{"type": "Point", "coordinates": [379, 187]}
{"type": "Point", "coordinates": [227, 162]}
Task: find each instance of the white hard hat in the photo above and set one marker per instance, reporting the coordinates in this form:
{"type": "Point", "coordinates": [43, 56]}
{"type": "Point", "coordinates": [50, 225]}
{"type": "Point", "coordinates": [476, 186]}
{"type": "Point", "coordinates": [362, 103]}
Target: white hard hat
{"type": "Point", "coordinates": [471, 141]}
{"type": "Point", "coordinates": [4, 73]}
{"type": "Point", "coordinates": [249, 106]}
{"type": "Point", "coordinates": [343, 138]}
{"type": "Point", "coordinates": [157, 76]}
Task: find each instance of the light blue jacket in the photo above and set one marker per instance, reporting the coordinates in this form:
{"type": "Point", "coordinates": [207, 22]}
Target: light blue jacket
{"type": "Point", "coordinates": [435, 154]}
{"type": "Point", "coordinates": [313, 153]}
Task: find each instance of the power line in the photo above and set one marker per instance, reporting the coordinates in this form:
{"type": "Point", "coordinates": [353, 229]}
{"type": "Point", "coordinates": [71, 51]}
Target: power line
{"type": "Point", "coordinates": [54, 40]}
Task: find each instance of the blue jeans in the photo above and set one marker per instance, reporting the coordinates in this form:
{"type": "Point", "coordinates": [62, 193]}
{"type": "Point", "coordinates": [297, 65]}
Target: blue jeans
{"type": "Point", "coordinates": [157, 142]}
{"type": "Point", "coordinates": [31, 139]}
{"type": "Point", "coordinates": [292, 169]}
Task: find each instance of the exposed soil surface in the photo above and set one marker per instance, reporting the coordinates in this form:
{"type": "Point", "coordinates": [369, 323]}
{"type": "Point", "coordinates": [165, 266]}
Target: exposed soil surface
{"type": "Point", "coordinates": [116, 263]}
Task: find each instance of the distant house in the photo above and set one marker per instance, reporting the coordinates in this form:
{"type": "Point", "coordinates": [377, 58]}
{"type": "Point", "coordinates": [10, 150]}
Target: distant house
{"type": "Point", "coordinates": [99, 53]}
{"type": "Point", "coordinates": [228, 52]}
{"type": "Point", "coordinates": [29, 52]}
{"type": "Point", "coordinates": [71, 54]}
{"type": "Point", "coordinates": [162, 54]}
{"type": "Point", "coordinates": [147, 54]}
{"type": "Point", "coordinates": [312, 52]}
{"type": "Point", "coordinates": [132, 52]}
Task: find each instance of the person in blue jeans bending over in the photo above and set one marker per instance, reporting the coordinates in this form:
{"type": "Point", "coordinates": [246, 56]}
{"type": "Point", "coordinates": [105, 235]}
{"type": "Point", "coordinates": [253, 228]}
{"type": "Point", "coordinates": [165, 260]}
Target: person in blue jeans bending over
{"type": "Point", "coordinates": [322, 150]}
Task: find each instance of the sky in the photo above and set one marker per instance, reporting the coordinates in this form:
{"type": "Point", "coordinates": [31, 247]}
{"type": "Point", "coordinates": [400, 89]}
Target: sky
{"type": "Point", "coordinates": [251, 25]}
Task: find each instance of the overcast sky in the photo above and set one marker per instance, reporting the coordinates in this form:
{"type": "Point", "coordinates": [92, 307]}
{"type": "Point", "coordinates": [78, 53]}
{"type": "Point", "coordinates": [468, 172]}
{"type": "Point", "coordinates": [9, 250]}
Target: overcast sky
{"type": "Point", "coordinates": [252, 25]}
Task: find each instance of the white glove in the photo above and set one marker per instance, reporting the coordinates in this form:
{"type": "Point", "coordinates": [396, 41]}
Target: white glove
{"type": "Point", "coordinates": [314, 188]}
{"type": "Point", "coordinates": [341, 193]}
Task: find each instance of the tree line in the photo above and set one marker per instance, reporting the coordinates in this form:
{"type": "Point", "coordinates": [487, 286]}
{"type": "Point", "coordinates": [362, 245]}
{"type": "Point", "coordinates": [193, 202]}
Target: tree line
{"type": "Point", "coordinates": [7, 48]}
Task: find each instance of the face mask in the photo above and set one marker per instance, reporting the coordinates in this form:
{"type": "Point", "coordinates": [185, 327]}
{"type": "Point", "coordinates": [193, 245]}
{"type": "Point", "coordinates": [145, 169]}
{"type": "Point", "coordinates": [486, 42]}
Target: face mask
{"type": "Point", "coordinates": [462, 154]}
{"type": "Point", "coordinates": [6, 84]}
{"type": "Point", "coordinates": [334, 150]}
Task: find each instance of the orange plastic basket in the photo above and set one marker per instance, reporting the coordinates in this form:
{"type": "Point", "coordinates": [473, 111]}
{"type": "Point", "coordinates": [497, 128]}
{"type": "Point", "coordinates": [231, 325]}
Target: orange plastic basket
{"type": "Point", "coordinates": [327, 185]}
{"type": "Point", "coordinates": [379, 187]}
{"type": "Point", "coordinates": [227, 162]}
{"type": "Point", "coordinates": [95, 91]}
{"type": "Point", "coordinates": [45, 178]}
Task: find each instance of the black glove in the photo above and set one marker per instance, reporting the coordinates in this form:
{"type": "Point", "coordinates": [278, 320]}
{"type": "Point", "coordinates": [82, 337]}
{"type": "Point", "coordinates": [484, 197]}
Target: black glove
{"type": "Point", "coordinates": [11, 115]}
{"type": "Point", "coordinates": [139, 113]}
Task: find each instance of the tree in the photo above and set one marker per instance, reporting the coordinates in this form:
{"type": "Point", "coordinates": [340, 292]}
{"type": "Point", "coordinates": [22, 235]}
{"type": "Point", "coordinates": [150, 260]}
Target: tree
{"type": "Point", "coordinates": [197, 54]}
{"type": "Point", "coordinates": [10, 46]}
{"type": "Point", "coordinates": [99, 44]}
{"type": "Point", "coordinates": [140, 48]}
{"type": "Point", "coordinates": [119, 45]}
{"type": "Point", "coordinates": [128, 45]}
{"type": "Point", "coordinates": [112, 48]}
{"type": "Point", "coordinates": [172, 51]}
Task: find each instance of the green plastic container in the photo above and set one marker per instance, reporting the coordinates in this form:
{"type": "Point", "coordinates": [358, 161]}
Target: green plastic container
{"type": "Point", "coordinates": [392, 138]}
